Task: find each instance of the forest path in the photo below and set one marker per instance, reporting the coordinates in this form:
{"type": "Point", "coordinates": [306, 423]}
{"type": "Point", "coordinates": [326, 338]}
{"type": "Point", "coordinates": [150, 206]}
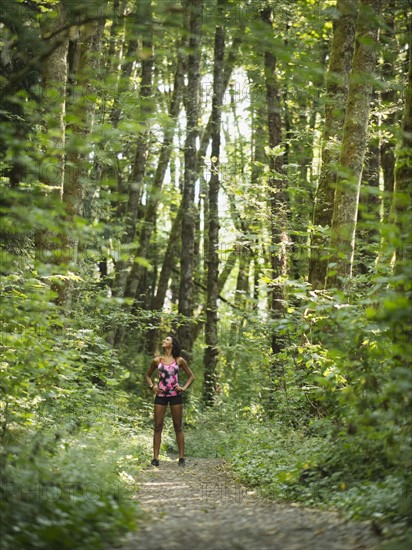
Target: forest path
{"type": "Point", "coordinates": [201, 507]}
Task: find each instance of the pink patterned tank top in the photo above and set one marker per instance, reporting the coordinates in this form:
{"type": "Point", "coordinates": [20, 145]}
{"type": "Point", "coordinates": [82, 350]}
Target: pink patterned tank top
{"type": "Point", "coordinates": [168, 379]}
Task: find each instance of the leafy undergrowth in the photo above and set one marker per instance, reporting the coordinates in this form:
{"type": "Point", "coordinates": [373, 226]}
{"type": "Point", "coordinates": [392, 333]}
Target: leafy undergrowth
{"type": "Point", "coordinates": [65, 488]}
{"type": "Point", "coordinates": [312, 467]}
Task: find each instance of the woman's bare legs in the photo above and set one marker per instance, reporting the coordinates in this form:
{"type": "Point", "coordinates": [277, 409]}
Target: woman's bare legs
{"type": "Point", "coordinates": [177, 415]}
{"type": "Point", "coordinates": [159, 415]}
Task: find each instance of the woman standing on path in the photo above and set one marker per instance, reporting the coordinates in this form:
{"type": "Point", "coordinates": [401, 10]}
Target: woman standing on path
{"type": "Point", "coordinates": [168, 391]}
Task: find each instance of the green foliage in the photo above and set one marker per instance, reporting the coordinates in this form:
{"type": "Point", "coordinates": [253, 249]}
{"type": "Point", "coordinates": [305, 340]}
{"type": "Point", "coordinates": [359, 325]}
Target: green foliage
{"type": "Point", "coordinates": [71, 445]}
{"type": "Point", "coordinates": [327, 420]}
{"type": "Point", "coordinates": [319, 470]}
{"type": "Point", "coordinates": [340, 432]}
{"type": "Point", "coordinates": [65, 489]}
{"type": "Point", "coordinates": [208, 428]}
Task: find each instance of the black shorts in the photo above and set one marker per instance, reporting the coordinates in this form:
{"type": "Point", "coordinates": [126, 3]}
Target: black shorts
{"type": "Point", "coordinates": [173, 400]}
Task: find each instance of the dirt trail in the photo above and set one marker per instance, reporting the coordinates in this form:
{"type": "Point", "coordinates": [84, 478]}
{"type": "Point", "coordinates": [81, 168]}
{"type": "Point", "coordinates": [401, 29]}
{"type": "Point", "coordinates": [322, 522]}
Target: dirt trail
{"type": "Point", "coordinates": [200, 507]}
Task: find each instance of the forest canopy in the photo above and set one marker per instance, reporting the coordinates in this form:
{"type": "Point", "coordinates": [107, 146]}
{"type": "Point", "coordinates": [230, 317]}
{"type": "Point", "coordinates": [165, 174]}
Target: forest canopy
{"type": "Point", "coordinates": [237, 173]}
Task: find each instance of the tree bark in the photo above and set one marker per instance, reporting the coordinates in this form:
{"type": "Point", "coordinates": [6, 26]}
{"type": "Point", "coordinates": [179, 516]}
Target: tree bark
{"type": "Point", "coordinates": [258, 123]}
{"type": "Point", "coordinates": [132, 30]}
{"type": "Point", "coordinates": [223, 277]}
{"type": "Point", "coordinates": [54, 86]}
{"type": "Point", "coordinates": [277, 199]}
{"type": "Point", "coordinates": [166, 271]}
{"type": "Point", "coordinates": [54, 76]}
{"type": "Point", "coordinates": [144, 15]}
{"type": "Point", "coordinates": [304, 151]}
{"type": "Point", "coordinates": [185, 332]}
{"type": "Point", "coordinates": [337, 87]}
{"type": "Point", "coordinates": [212, 259]}
{"type": "Point", "coordinates": [402, 194]}
{"type": "Point", "coordinates": [84, 45]}
{"type": "Point", "coordinates": [354, 144]}
{"type": "Point", "coordinates": [228, 69]}
{"type": "Point", "coordinates": [369, 211]}
{"type": "Point", "coordinates": [388, 98]}
{"type": "Point", "coordinates": [153, 195]}
{"type": "Point", "coordinates": [243, 256]}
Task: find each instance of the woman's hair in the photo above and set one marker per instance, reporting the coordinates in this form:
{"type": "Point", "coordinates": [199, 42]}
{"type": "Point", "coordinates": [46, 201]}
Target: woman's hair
{"type": "Point", "coordinates": [176, 347]}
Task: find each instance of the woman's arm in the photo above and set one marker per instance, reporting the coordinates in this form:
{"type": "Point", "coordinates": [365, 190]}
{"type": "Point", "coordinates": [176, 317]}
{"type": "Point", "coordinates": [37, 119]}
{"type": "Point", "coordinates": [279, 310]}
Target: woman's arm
{"type": "Point", "coordinates": [153, 366]}
{"type": "Point", "coordinates": [190, 376]}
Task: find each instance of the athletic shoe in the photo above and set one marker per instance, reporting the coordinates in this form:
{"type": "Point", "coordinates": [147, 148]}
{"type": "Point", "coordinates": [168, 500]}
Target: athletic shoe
{"type": "Point", "coordinates": [155, 462]}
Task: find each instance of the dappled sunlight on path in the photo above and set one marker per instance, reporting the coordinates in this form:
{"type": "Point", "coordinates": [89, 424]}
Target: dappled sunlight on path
{"type": "Point", "coordinates": [200, 507]}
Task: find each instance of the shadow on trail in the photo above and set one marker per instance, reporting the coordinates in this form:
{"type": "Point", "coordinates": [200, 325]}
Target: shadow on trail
{"type": "Point", "coordinates": [201, 507]}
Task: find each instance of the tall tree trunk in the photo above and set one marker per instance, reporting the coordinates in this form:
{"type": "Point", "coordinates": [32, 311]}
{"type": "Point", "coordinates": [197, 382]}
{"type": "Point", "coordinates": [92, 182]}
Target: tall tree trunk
{"type": "Point", "coordinates": [164, 277]}
{"type": "Point", "coordinates": [354, 143]}
{"type": "Point", "coordinates": [169, 261]}
{"type": "Point", "coordinates": [402, 194]}
{"type": "Point", "coordinates": [258, 123]}
{"type": "Point", "coordinates": [153, 194]}
{"type": "Point", "coordinates": [188, 207]}
{"type": "Point", "coordinates": [54, 76]}
{"type": "Point", "coordinates": [133, 28]}
{"type": "Point", "coordinates": [146, 109]}
{"type": "Point", "coordinates": [83, 60]}
{"type": "Point", "coordinates": [212, 259]}
{"type": "Point", "coordinates": [243, 255]}
{"type": "Point", "coordinates": [228, 69]}
{"type": "Point", "coordinates": [54, 85]}
{"type": "Point", "coordinates": [369, 211]}
{"type": "Point", "coordinates": [301, 207]}
{"type": "Point", "coordinates": [337, 86]}
{"type": "Point", "coordinates": [136, 180]}
{"type": "Point", "coordinates": [223, 277]}
{"type": "Point", "coordinates": [244, 222]}
{"type": "Point", "coordinates": [242, 292]}
{"type": "Point", "coordinates": [120, 70]}
{"type": "Point", "coordinates": [277, 199]}
{"type": "Point", "coordinates": [388, 99]}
